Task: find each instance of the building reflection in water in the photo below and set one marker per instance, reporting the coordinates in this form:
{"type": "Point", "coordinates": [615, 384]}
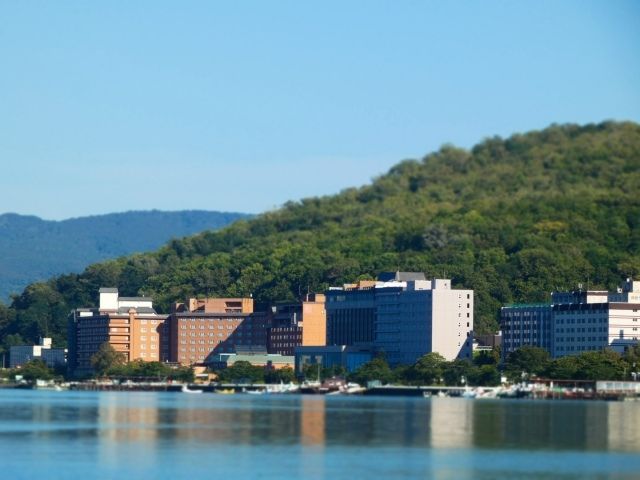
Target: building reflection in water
{"type": "Point", "coordinates": [124, 419]}
{"type": "Point", "coordinates": [623, 427]}
{"type": "Point", "coordinates": [451, 423]}
{"type": "Point", "coordinates": [312, 436]}
{"type": "Point", "coordinates": [319, 422]}
{"type": "Point", "coordinates": [312, 421]}
{"type": "Point", "coordinates": [316, 424]}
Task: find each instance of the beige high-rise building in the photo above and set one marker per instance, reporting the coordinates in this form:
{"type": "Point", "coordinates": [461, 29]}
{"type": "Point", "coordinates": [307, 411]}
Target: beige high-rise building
{"type": "Point", "coordinates": [298, 324]}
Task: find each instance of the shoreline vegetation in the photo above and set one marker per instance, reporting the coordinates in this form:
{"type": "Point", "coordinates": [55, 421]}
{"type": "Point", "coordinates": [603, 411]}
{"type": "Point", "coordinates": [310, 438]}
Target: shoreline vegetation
{"type": "Point", "coordinates": [540, 389]}
{"type": "Point", "coordinates": [528, 372]}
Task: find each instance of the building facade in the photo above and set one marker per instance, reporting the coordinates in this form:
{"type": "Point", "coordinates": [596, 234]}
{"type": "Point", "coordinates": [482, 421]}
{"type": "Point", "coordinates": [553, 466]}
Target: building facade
{"type": "Point", "coordinates": [403, 315]}
{"type": "Point", "coordinates": [52, 357]}
{"type": "Point", "coordinates": [299, 324]}
{"type": "Point", "coordinates": [526, 324]}
{"type": "Point", "coordinates": [351, 312]}
{"type": "Point", "coordinates": [129, 324]}
{"type": "Point", "coordinates": [348, 357]}
{"type": "Point", "coordinates": [215, 326]}
{"type": "Point", "coordinates": [424, 316]}
{"type": "Point", "coordinates": [575, 322]}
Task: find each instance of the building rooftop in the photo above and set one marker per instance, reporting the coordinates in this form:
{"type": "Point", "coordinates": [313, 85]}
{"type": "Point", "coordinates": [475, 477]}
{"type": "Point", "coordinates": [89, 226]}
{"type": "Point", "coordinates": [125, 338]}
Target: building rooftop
{"type": "Point", "coordinates": [401, 276]}
{"type": "Point", "coordinates": [125, 310]}
{"type": "Point", "coordinates": [251, 358]}
{"type": "Point", "coordinates": [108, 290]}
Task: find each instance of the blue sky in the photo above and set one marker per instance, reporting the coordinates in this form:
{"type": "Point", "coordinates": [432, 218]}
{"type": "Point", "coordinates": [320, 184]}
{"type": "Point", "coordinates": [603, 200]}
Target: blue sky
{"type": "Point", "coordinates": [113, 106]}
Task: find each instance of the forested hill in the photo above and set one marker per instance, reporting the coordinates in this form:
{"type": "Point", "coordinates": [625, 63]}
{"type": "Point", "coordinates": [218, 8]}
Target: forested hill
{"type": "Point", "coordinates": [511, 218]}
{"type": "Point", "coordinates": [33, 249]}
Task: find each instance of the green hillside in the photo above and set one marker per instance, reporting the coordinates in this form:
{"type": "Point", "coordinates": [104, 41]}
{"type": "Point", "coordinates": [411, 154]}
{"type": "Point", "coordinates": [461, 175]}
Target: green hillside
{"type": "Point", "coordinates": [511, 218]}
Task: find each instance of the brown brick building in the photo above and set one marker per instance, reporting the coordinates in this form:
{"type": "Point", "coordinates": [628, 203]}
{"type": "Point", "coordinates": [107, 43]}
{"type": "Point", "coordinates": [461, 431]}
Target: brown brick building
{"type": "Point", "coordinates": [202, 327]}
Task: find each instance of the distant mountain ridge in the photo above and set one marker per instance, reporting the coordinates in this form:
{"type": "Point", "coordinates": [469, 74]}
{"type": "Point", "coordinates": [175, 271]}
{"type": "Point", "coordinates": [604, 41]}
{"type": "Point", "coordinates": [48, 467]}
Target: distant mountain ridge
{"type": "Point", "coordinates": [33, 249]}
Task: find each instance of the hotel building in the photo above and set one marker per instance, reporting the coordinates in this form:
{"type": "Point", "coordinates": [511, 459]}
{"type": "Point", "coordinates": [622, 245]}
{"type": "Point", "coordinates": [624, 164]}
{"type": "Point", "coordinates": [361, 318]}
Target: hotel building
{"type": "Point", "coordinates": [129, 324]}
{"type": "Point", "coordinates": [199, 328]}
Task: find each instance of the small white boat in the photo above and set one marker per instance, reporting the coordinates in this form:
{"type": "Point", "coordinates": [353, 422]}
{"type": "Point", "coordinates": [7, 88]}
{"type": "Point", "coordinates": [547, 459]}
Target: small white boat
{"type": "Point", "coordinates": [256, 392]}
{"type": "Point", "coordinates": [186, 389]}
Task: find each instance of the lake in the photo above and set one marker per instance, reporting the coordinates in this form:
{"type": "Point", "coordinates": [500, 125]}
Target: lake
{"type": "Point", "coordinates": [76, 435]}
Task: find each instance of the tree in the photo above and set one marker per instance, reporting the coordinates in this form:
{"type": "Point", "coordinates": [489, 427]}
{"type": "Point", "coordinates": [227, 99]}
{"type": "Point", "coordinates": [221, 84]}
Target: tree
{"type": "Point", "coordinates": [280, 375]}
{"type": "Point", "coordinates": [242, 371]}
{"type": "Point", "coordinates": [631, 358]}
{"type": "Point", "coordinates": [428, 369]}
{"type": "Point", "coordinates": [457, 372]}
{"type": "Point", "coordinates": [563, 368]}
{"type": "Point", "coordinates": [602, 365]}
{"type": "Point", "coordinates": [376, 369]}
{"type": "Point", "coordinates": [485, 376]}
{"type": "Point", "coordinates": [35, 369]}
{"type": "Point", "coordinates": [484, 357]}
{"type": "Point", "coordinates": [528, 360]}
{"type": "Point", "coordinates": [106, 358]}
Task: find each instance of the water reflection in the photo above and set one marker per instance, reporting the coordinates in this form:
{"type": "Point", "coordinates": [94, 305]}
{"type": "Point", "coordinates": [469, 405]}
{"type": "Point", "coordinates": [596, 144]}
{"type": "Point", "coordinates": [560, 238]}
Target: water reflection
{"type": "Point", "coordinates": [318, 437]}
{"type": "Point", "coordinates": [321, 421]}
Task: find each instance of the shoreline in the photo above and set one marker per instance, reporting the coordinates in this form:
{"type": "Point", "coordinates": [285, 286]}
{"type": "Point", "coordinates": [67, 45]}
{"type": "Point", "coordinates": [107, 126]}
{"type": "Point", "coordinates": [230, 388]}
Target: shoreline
{"type": "Point", "coordinates": [427, 392]}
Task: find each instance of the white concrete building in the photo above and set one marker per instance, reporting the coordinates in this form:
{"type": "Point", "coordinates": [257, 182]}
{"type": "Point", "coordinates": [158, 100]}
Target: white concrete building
{"type": "Point", "coordinates": [423, 316]}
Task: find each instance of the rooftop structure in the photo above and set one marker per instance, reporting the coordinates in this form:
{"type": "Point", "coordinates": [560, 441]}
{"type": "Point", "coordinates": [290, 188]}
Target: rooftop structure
{"type": "Point", "coordinates": [275, 361]}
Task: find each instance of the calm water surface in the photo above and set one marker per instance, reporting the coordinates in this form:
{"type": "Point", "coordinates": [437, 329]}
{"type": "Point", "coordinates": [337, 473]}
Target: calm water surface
{"type": "Point", "coordinates": [75, 435]}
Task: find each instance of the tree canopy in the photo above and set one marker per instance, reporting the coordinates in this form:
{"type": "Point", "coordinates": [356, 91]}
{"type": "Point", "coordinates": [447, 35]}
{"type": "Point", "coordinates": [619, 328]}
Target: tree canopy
{"type": "Point", "coordinates": [106, 359]}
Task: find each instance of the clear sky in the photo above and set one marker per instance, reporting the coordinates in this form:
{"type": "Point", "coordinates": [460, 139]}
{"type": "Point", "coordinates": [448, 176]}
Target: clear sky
{"type": "Point", "coordinates": [113, 106]}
